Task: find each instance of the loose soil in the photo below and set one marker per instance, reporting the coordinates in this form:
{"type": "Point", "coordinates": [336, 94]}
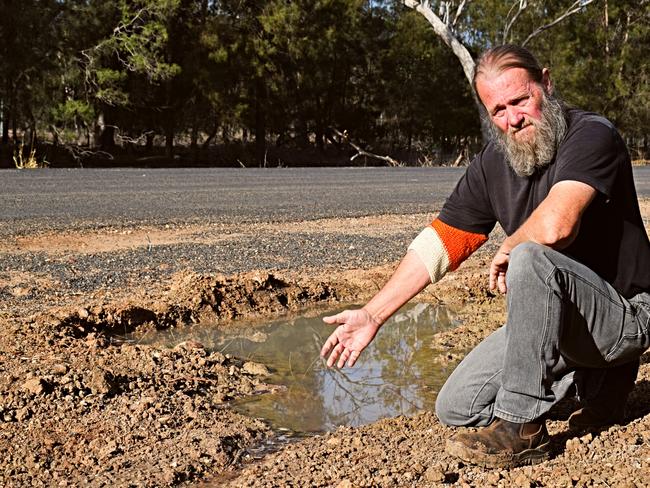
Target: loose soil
{"type": "Point", "coordinates": [80, 406]}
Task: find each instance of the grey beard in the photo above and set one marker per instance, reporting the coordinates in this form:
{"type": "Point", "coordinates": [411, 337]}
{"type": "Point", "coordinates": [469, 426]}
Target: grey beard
{"type": "Point", "coordinates": [526, 156]}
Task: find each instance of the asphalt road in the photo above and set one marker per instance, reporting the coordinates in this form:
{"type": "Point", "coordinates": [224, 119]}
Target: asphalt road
{"type": "Point", "coordinates": [63, 198]}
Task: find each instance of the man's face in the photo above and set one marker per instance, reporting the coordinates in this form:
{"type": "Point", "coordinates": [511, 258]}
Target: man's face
{"type": "Point", "coordinates": [513, 101]}
{"type": "Point", "coordinates": [526, 122]}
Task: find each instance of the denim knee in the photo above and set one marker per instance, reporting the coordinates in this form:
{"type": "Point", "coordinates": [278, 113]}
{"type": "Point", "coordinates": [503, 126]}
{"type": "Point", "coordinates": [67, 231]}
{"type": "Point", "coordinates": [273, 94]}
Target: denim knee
{"type": "Point", "coordinates": [453, 410]}
{"type": "Point", "coordinates": [525, 259]}
{"type": "Point", "coordinates": [454, 407]}
{"type": "Point", "coordinates": [445, 411]}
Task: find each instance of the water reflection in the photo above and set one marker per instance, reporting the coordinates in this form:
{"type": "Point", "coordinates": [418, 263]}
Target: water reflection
{"type": "Point", "coordinates": [396, 375]}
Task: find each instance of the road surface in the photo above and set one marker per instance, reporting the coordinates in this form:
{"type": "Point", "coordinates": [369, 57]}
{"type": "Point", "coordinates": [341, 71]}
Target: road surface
{"type": "Point", "coordinates": [65, 198]}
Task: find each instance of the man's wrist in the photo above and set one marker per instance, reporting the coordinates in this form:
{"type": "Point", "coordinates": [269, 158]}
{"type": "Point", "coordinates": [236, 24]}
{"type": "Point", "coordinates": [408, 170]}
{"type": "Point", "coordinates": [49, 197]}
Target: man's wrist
{"type": "Point", "coordinates": [374, 316]}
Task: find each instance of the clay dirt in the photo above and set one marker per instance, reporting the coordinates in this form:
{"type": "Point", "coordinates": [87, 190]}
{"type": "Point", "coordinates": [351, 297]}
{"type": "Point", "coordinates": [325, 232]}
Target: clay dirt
{"type": "Point", "coordinates": [82, 406]}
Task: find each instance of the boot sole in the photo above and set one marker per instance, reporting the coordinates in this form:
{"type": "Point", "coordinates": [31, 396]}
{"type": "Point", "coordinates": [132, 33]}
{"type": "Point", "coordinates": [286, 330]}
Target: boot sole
{"type": "Point", "coordinates": [503, 460]}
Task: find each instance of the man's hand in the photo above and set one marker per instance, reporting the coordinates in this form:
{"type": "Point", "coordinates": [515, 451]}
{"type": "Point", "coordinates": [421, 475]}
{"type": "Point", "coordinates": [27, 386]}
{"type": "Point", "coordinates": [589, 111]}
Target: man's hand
{"type": "Point", "coordinates": [356, 329]}
{"type": "Point", "coordinates": [498, 270]}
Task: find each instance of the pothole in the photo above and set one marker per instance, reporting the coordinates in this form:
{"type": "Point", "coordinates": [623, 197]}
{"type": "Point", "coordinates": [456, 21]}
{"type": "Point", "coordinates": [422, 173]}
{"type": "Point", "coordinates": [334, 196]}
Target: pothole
{"type": "Point", "coordinates": [398, 374]}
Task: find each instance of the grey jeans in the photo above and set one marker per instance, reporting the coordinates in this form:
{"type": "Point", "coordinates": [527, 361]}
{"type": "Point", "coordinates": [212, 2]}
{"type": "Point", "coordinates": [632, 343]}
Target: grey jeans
{"type": "Point", "coordinates": [562, 318]}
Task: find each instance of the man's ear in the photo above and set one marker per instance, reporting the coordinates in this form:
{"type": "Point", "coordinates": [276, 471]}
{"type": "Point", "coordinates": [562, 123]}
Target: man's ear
{"type": "Point", "coordinates": [546, 81]}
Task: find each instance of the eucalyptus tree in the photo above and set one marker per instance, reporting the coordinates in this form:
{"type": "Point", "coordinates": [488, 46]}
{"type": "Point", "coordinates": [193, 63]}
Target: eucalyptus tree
{"type": "Point", "coordinates": [467, 26]}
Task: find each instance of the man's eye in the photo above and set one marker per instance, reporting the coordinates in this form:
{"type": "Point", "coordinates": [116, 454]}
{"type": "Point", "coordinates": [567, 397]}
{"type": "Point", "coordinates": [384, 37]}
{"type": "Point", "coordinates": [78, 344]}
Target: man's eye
{"type": "Point", "coordinates": [499, 112]}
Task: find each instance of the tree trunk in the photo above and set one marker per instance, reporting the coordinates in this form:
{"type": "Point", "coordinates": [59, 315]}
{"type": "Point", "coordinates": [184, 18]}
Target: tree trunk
{"type": "Point", "coordinates": [5, 128]}
{"type": "Point", "coordinates": [98, 130]}
{"type": "Point", "coordinates": [149, 141]}
{"type": "Point", "coordinates": [260, 122]}
{"type": "Point", "coordinates": [194, 143]}
{"type": "Point", "coordinates": [169, 137]}
{"type": "Point", "coordinates": [107, 138]}
{"type": "Point", "coordinates": [211, 136]}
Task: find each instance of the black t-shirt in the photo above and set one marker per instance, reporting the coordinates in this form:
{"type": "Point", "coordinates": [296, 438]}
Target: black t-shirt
{"type": "Point", "coordinates": [612, 240]}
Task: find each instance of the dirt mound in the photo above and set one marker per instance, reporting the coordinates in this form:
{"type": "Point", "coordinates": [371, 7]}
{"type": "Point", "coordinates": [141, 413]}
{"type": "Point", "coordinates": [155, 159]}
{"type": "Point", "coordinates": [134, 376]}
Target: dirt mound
{"type": "Point", "coordinates": [82, 406]}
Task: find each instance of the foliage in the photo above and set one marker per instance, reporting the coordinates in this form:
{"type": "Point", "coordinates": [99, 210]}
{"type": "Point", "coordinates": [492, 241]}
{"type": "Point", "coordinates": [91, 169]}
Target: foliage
{"type": "Point", "coordinates": [286, 74]}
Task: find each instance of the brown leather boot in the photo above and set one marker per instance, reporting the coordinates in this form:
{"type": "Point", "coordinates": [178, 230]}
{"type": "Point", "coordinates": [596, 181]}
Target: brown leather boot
{"type": "Point", "coordinates": [502, 444]}
{"type": "Point", "coordinates": [591, 417]}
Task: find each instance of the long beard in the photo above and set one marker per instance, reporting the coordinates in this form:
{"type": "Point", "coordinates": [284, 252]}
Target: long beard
{"type": "Point", "coordinates": [526, 156]}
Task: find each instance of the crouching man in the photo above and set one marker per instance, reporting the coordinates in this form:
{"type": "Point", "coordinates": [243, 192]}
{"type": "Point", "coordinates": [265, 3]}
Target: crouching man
{"type": "Point", "coordinates": [575, 267]}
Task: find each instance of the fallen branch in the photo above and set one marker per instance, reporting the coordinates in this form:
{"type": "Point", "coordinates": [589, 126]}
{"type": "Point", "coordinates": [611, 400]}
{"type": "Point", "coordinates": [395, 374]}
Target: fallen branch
{"type": "Point", "coordinates": [361, 152]}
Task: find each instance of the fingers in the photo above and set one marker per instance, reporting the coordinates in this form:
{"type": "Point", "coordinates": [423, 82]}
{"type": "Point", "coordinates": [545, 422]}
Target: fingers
{"type": "Point", "coordinates": [331, 341]}
{"type": "Point", "coordinates": [501, 281]}
{"type": "Point", "coordinates": [345, 354]}
{"type": "Point", "coordinates": [336, 352]}
{"type": "Point", "coordinates": [498, 280]}
{"type": "Point", "coordinates": [354, 355]}
{"type": "Point", "coordinates": [339, 318]}
{"type": "Point", "coordinates": [493, 278]}
{"type": "Point", "coordinates": [333, 346]}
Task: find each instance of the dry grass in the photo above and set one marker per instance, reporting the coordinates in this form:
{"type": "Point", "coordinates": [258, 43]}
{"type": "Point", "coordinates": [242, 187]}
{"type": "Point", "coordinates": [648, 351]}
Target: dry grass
{"type": "Point", "coordinates": [29, 162]}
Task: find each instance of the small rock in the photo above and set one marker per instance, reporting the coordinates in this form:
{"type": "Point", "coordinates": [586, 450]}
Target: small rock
{"type": "Point", "coordinates": [434, 473]}
{"type": "Point", "coordinates": [493, 477]}
{"type": "Point", "coordinates": [109, 449]}
{"type": "Point", "coordinates": [345, 484]}
{"type": "Point", "coordinates": [418, 468]}
{"type": "Point", "coordinates": [218, 357]}
{"type": "Point", "coordinates": [83, 313]}
{"type": "Point", "coordinates": [100, 382]}
{"type": "Point", "coordinates": [333, 441]}
{"type": "Point", "coordinates": [586, 439]}
{"type": "Point", "coordinates": [59, 369]}
{"type": "Point", "coordinates": [23, 414]}
{"type": "Point", "coordinates": [255, 369]}
{"type": "Point", "coordinates": [522, 481]}
{"type": "Point", "coordinates": [572, 445]}
{"type": "Point", "coordinates": [189, 345]}
{"type": "Point", "coordinates": [35, 386]}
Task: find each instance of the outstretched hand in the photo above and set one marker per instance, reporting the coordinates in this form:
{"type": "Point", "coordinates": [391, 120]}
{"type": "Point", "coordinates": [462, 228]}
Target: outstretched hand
{"type": "Point", "coordinates": [356, 329]}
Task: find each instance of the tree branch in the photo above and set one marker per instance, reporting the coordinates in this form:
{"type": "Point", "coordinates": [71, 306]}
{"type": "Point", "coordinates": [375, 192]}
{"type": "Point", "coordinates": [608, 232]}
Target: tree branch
{"type": "Point", "coordinates": [445, 33]}
{"type": "Point", "coordinates": [574, 8]}
{"type": "Point", "coordinates": [459, 11]}
{"type": "Point", "coordinates": [361, 152]}
{"type": "Point", "coordinates": [523, 4]}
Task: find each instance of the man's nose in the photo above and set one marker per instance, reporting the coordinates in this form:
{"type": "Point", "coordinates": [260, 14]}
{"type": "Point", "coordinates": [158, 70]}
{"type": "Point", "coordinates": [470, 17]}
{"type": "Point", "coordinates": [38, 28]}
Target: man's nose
{"type": "Point", "coordinates": [515, 117]}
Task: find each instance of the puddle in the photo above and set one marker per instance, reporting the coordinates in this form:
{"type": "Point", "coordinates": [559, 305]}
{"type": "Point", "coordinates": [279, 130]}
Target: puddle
{"type": "Point", "coordinates": [396, 375]}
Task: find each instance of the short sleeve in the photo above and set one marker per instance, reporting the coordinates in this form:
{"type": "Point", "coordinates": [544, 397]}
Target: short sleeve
{"type": "Point", "coordinates": [591, 155]}
{"type": "Point", "coordinates": [468, 207]}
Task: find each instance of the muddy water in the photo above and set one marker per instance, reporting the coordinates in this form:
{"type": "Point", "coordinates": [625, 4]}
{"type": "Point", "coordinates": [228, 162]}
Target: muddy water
{"type": "Point", "coordinates": [396, 375]}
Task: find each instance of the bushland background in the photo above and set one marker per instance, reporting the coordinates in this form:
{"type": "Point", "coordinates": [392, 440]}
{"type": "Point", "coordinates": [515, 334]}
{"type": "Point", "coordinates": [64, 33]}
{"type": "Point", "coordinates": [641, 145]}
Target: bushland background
{"type": "Point", "coordinates": [294, 83]}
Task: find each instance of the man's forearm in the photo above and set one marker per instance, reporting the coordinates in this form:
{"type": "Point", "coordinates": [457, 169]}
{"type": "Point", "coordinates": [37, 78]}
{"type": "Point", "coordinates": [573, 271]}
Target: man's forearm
{"type": "Point", "coordinates": [409, 279]}
{"type": "Point", "coordinates": [556, 221]}
{"type": "Point", "coordinates": [438, 249]}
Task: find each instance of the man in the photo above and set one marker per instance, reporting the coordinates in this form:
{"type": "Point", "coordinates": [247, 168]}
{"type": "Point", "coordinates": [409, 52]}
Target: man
{"type": "Point", "coordinates": [575, 267]}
